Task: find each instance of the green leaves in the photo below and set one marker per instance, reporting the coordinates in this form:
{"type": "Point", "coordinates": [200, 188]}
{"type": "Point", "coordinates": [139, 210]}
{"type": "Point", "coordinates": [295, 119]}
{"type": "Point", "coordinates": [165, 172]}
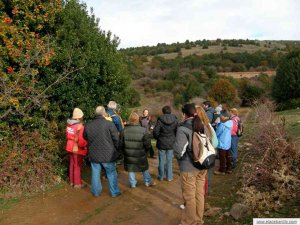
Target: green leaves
{"type": "Point", "coordinates": [286, 84]}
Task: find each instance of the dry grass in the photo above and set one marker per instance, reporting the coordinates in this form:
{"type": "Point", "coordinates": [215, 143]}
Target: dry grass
{"type": "Point", "coordinates": [238, 75]}
{"type": "Point", "coordinates": [198, 50]}
{"type": "Point", "coordinates": [271, 175]}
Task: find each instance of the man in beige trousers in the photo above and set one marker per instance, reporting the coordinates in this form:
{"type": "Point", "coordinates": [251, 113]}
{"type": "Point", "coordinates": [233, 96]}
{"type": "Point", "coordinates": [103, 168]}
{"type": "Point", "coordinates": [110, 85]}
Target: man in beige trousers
{"type": "Point", "coordinates": [192, 179]}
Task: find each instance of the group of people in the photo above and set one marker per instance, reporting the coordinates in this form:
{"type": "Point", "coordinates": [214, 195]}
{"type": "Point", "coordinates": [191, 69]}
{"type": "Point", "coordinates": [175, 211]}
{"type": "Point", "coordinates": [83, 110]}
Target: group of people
{"type": "Point", "coordinates": [105, 139]}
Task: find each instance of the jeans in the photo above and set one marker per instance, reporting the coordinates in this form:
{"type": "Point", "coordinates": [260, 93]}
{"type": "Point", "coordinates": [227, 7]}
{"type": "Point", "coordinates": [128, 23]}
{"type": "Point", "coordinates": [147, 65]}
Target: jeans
{"type": "Point", "coordinates": [132, 180]}
{"type": "Point", "coordinates": [234, 150]}
{"type": "Point", "coordinates": [112, 177]}
{"type": "Point", "coordinates": [165, 164]}
{"type": "Point", "coordinates": [192, 185]}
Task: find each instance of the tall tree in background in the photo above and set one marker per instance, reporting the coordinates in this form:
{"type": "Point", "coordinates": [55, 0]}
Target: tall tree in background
{"type": "Point", "coordinates": [286, 85]}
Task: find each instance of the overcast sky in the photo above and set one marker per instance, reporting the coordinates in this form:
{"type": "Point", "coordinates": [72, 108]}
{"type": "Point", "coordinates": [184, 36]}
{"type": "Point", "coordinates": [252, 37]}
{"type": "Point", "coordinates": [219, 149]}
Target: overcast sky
{"type": "Point", "coordinates": [148, 22]}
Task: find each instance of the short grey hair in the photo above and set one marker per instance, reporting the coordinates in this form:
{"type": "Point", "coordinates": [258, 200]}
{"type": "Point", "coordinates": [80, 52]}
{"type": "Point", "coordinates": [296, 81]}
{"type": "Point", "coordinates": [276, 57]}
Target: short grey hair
{"type": "Point", "coordinates": [100, 111]}
{"type": "Point", "coordinates": [112, 105]}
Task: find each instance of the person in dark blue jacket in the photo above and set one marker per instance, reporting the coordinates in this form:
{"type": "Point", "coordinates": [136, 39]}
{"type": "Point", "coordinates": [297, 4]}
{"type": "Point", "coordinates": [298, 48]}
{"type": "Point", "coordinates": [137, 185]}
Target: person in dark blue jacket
{"type": "Point", "coordinates": [164, 132]}
{"type": "Point", "coordinates": [116, 119]}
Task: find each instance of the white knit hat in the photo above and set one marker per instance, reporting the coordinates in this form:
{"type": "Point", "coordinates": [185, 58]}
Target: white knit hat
{"type": "Point", "coordinates": [112, 105]}
{"type": "Point", "coordinates": [77, 113]}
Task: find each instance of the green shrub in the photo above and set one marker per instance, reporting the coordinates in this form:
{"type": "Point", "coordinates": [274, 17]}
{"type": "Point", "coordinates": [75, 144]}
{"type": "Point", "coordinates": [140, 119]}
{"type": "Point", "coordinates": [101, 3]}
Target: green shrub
{"type": "Point", "coordinates": [164, 85]}
{"type": "Point", "coordinates": [286, 84]}
{"type": "Point", "coordinates": [289, 104]}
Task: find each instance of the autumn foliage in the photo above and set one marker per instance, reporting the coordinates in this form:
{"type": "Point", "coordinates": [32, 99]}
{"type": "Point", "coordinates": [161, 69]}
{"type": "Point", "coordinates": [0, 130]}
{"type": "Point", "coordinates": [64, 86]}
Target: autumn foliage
{"type": "Point", "coordinates": [223, 91]}
{"type": "Point", "coordinates": [49, 65]}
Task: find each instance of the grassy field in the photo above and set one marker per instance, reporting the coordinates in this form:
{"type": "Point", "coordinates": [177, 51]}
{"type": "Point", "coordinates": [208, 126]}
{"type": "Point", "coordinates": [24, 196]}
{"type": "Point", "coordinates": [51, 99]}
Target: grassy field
{"type": "Point", "coordinates": [292, 124]}
{"type": "Point", "coordinates": [198, 50]}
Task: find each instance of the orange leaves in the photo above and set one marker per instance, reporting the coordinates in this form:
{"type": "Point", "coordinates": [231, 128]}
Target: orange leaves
{"type": "Point", "coordinates": [10, 70]}
{"type": "Point", "coordinates": [7, 20]}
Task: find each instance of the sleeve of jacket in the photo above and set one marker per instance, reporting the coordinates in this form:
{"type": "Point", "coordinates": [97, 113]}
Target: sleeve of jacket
{"type": "Point", "coordinates": [210, 116]}
{"type": "Point", "coordinates": [117, 122]}
{"type": "Point", "coordinates": [121, 142]}
{"type": "Point", "coordinates": [219, 130]}
{"type": "Point", "coordinates": [114, 135]}
{"type": "Point", "coordinates": [147, 141]}
{"type": "Point", "coordinates": [181, 143]}
{"type": "Point", "coordinates": [156, 130]}
{"type": "Point", "coordinates": [85, 133]}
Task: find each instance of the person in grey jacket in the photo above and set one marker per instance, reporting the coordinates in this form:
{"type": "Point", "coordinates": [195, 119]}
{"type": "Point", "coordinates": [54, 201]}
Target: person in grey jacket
{"type": "Point", "coordinates": [210, 111]}
{"type": "Point", "coordinates": [164, 132]}
{"type": "Point", "coordinates": [192, 179]}
{"type": "Point", "coordinates": [102, 141]}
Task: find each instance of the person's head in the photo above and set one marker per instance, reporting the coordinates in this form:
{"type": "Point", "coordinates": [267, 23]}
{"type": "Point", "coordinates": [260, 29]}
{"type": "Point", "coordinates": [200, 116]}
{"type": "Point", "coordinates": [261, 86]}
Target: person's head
{"type": "Point", "coordinates": [189, 110]}
{"type": "Point", "coordinates": [112, 105]}
{"type": "Point", "coordinates": [202, 115]}
{"type": "Point", "coordinates": [77, 114]}
{"type": "Point", "coordinates": [224, 115]}
{"type": "Point", "coordinates": [166, 109]}
{"type": "Point", "coordinates": [100, 111]}
{"type": "Point", "coordinates": [134, 118]}
{"type": "Point", "coordinates": [234, 111]}
{"type": "Point", "coordinates": [206, 104]}
{"type": "Point", "coordinates": [145, 112]}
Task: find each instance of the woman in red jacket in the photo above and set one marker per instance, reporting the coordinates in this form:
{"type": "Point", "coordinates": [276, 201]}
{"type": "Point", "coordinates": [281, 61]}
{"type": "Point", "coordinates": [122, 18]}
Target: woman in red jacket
{"type": "Point", "coordinates": [76, 147]}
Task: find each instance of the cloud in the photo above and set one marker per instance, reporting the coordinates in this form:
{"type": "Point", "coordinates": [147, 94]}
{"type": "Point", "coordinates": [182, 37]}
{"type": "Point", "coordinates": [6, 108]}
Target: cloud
{"type": "Point", "coordinates": [139, 22]}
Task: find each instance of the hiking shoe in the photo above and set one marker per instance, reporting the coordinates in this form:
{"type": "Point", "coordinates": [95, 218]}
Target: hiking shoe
{"type": "Point", "coordinates": [182, 206]}
{"type": "Point", "coordinates": [170, 180]}
{"type": "Point", "coordinates": [219, 173]}
{"type": "Point", "coordinates": [150, 184]}
{"type": "Point", "coordinates": [132, 186]}
{"type": "Point", "coordinates": [79, 186]}
{"type": "Point", "coordinates": [118, 194]}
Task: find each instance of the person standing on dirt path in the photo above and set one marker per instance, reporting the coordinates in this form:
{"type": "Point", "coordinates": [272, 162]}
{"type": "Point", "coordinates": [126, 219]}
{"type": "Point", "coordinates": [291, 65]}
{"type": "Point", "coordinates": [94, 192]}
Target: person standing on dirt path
{"type": "Point", "coordinates": [76, 147]}
{"type": "Point", "coordinates": [103, 141]}
{"type": "Point", "coordinates": [146, 122]}
{"type": "Point", "coordinates": [224, 137]}
{"type": "Point", "coordinates": [135, 142]}
{"type": "Point", "coordinates": [164, 132]}
{"type": "Point", "coordinates": [192, 179]}
{"type": "Point", "coordinates": [234, 116]}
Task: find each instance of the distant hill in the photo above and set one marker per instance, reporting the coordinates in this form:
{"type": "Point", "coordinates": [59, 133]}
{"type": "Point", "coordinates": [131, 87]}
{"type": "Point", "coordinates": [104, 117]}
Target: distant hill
{"type": "Point", "coordinates": [176, 73]}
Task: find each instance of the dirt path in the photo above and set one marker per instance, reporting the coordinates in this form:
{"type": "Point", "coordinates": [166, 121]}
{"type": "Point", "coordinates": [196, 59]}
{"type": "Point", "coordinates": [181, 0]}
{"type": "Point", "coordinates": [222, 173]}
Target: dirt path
{"type": "Point", "coordinates": [143, 205]}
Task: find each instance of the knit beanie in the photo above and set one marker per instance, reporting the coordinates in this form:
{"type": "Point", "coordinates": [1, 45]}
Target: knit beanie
{"type": "Point", "coordinates": [77, 113]}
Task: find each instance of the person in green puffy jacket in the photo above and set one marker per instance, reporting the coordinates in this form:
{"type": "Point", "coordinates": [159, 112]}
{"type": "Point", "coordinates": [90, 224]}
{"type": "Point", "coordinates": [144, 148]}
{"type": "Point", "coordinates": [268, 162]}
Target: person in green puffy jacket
{"type": "Point", "coordinates": [135, 142]}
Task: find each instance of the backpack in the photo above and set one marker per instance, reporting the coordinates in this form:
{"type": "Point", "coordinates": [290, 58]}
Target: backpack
{"type": "Point", "coordinates": [204, 154]}
{"type": "Point", "coordinates": [240, 129]}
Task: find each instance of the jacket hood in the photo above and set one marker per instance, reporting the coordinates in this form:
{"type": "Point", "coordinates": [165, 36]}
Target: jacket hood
{"type": "Point", "coordinates": [228, 124]}
{"type": "Point", "coordinates": [72, 122]}
{"type": "Point", "coordinates": [168, 119]}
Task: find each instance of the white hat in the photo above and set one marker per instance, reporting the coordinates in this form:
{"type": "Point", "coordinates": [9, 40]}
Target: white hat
{"type": "Point", "coordinates": [112, 105]}
{"type": "Point", "coordinates": [77, 113]}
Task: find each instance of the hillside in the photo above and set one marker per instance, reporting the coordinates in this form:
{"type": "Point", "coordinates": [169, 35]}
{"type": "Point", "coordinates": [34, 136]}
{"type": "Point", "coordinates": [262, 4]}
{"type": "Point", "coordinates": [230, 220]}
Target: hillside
{"type": "Point", "coordinates": [189, 72]}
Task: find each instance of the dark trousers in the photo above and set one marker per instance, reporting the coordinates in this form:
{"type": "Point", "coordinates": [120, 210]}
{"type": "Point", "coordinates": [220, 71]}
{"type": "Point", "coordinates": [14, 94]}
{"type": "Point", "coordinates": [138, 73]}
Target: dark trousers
{"type": "Point", "coordinates": [225, 162]}
{"type": "Point", "coordinates": [151, 151]}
